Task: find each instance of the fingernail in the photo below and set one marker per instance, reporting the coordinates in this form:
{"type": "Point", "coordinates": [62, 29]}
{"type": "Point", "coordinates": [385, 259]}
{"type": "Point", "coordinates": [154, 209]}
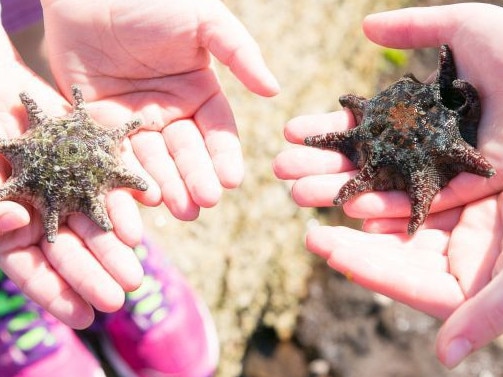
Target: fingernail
{"type": "Point", "coordinates": [273, 85]}
{"type": "Point", "coordinates": [457, 350]}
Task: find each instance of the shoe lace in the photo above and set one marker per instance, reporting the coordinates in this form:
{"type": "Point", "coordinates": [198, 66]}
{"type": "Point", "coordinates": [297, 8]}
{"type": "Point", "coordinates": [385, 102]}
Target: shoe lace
{"type": "Point", "coordinates": [24, 332]}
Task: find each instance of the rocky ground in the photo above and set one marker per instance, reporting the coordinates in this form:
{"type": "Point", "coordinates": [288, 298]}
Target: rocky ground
{"type": "Point", "coordinates": [279, 311]}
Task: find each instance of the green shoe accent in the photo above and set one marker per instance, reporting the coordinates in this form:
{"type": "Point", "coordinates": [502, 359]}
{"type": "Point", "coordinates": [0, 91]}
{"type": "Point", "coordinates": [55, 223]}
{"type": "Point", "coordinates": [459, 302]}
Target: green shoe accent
{"type": "Point", "coordinates": [141, 252]}
{"type": "Point", "coordinates": [34, 337]}
{"type": "Point", "coordinates": [159, 315]}
{"type": "Point", "coordinates": [148, 285]}
{"type": "Point", "coordinates": [149, 304]}
{"type": "Point", "coordinates": [22, 321]}
{"type": "Point", "coordinates": [9, 304]}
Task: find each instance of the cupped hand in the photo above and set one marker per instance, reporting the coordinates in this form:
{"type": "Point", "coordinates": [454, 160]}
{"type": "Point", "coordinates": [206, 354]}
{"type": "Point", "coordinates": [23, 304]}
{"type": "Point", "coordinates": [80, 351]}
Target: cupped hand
{"type": "Point", "coordinates": [153, 61]}
{"type": "Point", "coordinates": [454, 274]}
{"type": "Point", "coordinates": [451, 268]}
{"type": "Point", "coordinates": [85, 267]}
{"type": "Point", "coordinates": [318, 181]}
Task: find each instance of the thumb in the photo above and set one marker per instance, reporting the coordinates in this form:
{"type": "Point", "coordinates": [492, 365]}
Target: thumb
{"type": "Point", "coordinates": [432, 26]}
{"type": "Point", "coordinates": [229, 41]}
{"type": "Point", "coordinates": [474, 324]}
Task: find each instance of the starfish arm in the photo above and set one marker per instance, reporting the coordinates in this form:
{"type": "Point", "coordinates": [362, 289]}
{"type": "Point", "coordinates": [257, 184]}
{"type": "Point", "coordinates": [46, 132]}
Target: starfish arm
{"type": "Point", "coordinates": [331, 140]}
{"type": "Point", "coordinates": [354, 103]}
{"type": "Point", "coordinates": [363, 181]}
{"type": "Point", "coordinates": [410, 76]}
{"type": "Point", "coordinates": [472, 103]}
{"type": "Point", "coordinates": [120, 133]}
{"type": "Point", "coordinates": [10, 147]}
{"type": "Point", "coordinates": [14, 187]}
{"type": "Point", "coordinates": [50, 218]}
{"type": "Point", "coordinates": [121, 177]}
{"type": "Point", "coordinates": [344, 142]}
{"type": "Point", "coordinates": [469, 111]}
{"type": "Point", "coordinates": [35, 114]}
{"type": "Point", "coordinates": [78, 100]}
{"type": "Point", "coordinates": [446, 70]}
{"type": "Point", "coordinates": [95, 209]}
{"type": "Point", "coordinates": [65, 164]}
{"type": "Point", "coordinates": [423, 187]}
{"type": "Point", "coordinates": [79, 108]}
{"type": "Point", "coordinates": [471, 160]}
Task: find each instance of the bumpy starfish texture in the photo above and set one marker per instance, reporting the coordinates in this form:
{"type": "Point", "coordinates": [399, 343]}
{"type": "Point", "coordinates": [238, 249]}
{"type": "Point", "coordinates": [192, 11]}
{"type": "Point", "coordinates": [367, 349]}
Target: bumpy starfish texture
{"type": "Point", "coordinates": [62, 165]}
{"type": "Point", "coordinates": [412, 136]}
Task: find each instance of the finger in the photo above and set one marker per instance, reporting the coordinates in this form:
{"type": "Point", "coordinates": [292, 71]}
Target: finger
{"type": "Point", "coordinates": [23, 237]}
{"type": "Point", "coordinates": [318, 190]}
{"type": "Point", "coordinates": [216, 123]}
{"type": "Point", "coordinates": [38, 280]}
{"type": "Point", "coordinates": [139, 162]}
{"type": "Point", "coordinates": [125, 217]}
{"type": "Point", "coordinates": [114, 256]}
{"type": "Point", "coordinates": [152, 152]}
{"type": "Point", "coordinates": [445, 221]}
{"type": "Point", "coordinates": [12, 216]}
{"type": "Point", "coordinates": [410, 270]}
{"type": "Point", "coordinates": [296, 163]}
{"type": "Point", "coordinates": [81, 270]}
{"type": "Point", "coordinates": [427, 249]}
{"type": "Point", "coordinates": [188, 150]}
{"type": "Point", "coordinates": [297, 129]}
{"type": "Point", "coordinates": [418, 27]}
{"type": "Point", "coordinates": [226, 38]}
{"type": "Point", "coordinates": [498, 265]}
{"type": "Point", "coordinates": [385, 226]}
{"type": "Point", "coordinates": [397, 203]}
{"type": "Point", "coordinates": [475, 245]}
{"type": "Point", "coordinates": [474, 324]}
{"type": "Point", "coordinates": [299, 162]}
{"type": "Point", "coordinates": [124, 214]}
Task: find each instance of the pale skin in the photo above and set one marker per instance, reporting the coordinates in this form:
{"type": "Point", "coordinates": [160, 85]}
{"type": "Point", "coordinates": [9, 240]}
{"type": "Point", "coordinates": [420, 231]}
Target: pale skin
{"type": "Point", "coordinates": [451, 268]}
{"type": "Point", "coordinates": [132, 59]}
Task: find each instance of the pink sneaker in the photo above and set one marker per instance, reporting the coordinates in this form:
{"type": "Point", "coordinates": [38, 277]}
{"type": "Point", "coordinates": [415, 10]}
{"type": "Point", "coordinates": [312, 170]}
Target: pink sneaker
{"type": "Point", "coordinates": [34, 344]}
{"type": "Point", "coordinates": [163, 329]}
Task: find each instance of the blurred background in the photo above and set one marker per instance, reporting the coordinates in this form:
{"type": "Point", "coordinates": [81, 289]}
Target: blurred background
{"type": "Point", "coordinates": [281, 312]}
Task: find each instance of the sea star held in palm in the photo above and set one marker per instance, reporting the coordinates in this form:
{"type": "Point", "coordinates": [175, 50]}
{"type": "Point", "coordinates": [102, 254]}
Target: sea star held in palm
{"type": "Point", "coordinates": [412, 136]}
{"type": "Point", "coordinates": [66, 164]}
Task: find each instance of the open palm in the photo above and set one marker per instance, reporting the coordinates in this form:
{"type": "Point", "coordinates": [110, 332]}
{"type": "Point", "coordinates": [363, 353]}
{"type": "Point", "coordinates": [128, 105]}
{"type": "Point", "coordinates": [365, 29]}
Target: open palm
{"type": "Point", "coordinates": [132, 60]}
{"type": "Point", "coordinates": [152, 61]}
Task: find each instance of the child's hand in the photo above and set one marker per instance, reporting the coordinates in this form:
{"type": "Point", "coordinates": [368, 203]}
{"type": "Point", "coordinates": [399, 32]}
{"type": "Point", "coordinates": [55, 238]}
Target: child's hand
{"type": "Point", "coordinates": [85, 267]}
{"type": "Point", "coordinates": [451, 267]}
{"type": "Point", "coordinates": [153, 61]}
